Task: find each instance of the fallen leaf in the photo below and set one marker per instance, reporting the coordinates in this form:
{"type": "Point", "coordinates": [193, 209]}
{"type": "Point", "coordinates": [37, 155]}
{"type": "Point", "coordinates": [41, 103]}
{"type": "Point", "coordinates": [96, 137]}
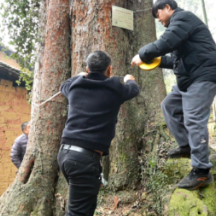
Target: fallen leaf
{"type": "Point", "coordinates": [116, 202]}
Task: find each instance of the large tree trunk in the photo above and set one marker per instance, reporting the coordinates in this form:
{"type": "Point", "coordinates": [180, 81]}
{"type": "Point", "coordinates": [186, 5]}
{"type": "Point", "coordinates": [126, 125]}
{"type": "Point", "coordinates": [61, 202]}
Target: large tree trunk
{"type": "Point", "coordinates": [138, 172]}
{"type": "Point", "coordinates": [92, 30]}
{"type": "Point", "coordinates": [135, 154]}
{"type": "Point", "coordinates": [32, 192]}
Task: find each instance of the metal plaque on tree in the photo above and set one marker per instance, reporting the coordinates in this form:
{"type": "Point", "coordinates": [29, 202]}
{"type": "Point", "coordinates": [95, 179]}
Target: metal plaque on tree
{"type": "Point", "coordinates": [122, 18]}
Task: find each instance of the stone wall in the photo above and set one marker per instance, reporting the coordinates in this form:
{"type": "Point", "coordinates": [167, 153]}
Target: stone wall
{"type": "Point", "coordinates": [14, 110]}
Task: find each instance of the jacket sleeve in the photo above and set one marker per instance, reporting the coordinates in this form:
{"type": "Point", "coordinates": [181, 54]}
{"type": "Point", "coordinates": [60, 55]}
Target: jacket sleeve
{"type": "Point", "coordinates": [16, 154]}
{"type": "Point", "coordinates": [178, 31]}
{"type": "Point", "coordinates": [166, 62]}
{"type": "Point", "coordinates": [66, 86]}
{"type": "Point", "coordinates": [129, 90]}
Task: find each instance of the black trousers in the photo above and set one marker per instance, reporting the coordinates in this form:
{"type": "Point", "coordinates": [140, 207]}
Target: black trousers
{"type": "Point", "coordinates": [82, 173]}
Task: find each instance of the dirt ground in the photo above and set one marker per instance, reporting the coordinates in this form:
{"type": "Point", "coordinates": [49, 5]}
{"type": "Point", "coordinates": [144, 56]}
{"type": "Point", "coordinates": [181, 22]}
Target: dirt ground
{"type": "Point", "coordinates": [130, 203]}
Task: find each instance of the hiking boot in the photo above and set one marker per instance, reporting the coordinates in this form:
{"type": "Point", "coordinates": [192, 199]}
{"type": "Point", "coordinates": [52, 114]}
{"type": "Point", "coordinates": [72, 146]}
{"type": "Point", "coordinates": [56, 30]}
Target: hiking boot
{"type": "Point", "coordinates": [195, 179]}
{"type": "Point", "coordinates": [180, 152]}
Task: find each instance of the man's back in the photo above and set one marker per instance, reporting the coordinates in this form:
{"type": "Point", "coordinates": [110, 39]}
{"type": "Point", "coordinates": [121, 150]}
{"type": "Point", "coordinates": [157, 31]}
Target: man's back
{"type": "Point", "coordinates": [94, 102]}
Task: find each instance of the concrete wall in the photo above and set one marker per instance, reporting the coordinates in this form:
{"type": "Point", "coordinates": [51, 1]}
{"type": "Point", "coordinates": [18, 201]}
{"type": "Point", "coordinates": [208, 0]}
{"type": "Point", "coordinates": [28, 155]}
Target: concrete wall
{"type": "Point", "coordinates": [14, 110]}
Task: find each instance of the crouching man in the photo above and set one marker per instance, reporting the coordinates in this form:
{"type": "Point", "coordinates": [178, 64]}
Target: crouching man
{"type": "Point", "coordinates": [94, 102]}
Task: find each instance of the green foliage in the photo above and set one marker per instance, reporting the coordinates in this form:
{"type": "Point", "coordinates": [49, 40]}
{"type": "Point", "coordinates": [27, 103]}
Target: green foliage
{"type": "Point", "coordinates": [97, 213]}
{"type": "Point", "coordinates": [21, 20]}
{"type": "Point", "coordinates": [27, 77]}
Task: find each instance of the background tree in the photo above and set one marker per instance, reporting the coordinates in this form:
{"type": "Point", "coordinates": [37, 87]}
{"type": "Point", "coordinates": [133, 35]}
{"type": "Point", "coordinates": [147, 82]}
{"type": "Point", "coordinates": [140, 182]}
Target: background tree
{"type": "Point", "coordinates": [204, 12]}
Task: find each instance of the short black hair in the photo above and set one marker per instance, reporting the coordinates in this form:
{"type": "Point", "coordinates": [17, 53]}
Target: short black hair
{"type": "Point", "coordinates": [160, 4]}
{"type": "Point", "coordinates": [23, 125]}
{"type": "Point", "coordinates": [98, 61]}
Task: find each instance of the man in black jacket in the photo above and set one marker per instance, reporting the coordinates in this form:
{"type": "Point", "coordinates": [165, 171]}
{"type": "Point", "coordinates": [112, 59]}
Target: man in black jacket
{"type": "Point", "coordinates": [187, 108]}
{"type": "Point", "coordinates": [94, 102]}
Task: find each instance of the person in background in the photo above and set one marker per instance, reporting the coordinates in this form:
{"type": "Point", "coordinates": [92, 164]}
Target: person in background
{"type": "Point", "coordinates": [19, 147]}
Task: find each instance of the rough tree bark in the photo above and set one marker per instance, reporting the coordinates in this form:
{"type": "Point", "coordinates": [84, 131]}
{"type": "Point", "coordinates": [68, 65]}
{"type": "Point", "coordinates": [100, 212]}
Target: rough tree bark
{"type": "Point", "coordinates": [92, 30]}
{"type": "Point", "coordinates": [32, 192]}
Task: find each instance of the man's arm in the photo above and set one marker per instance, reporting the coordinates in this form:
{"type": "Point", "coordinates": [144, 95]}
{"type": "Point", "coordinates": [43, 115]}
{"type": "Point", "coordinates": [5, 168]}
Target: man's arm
{"type": "Point", "coordinates": [16, 154]}
{"type": "Point", "coordinates": [178, 32]}
{"type": "Point", "coordinates": [130, 89]}
{"type": "Point", "coordinates": [66, 85]}
{"type": "Point", "coordinates": [166, 62]}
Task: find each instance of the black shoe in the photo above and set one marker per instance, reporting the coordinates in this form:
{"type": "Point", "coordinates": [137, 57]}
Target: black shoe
{"type": "Point", "coordinates": [180, 152]}
{"type": "Point", "coordinates": [196, 179]}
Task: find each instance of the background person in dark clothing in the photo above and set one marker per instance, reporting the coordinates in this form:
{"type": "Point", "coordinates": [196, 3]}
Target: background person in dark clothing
{"type": "Point", "coordinates": [94, 102]}
{"type": "Point", "coordinates": [187, 108]}
{"type": "Point", "coordinates": [19, 147]}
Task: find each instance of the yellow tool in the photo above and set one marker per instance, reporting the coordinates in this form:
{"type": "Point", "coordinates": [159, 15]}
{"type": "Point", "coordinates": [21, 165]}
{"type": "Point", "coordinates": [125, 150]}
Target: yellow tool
{"type": "Point", "coordinates": [151, 65]}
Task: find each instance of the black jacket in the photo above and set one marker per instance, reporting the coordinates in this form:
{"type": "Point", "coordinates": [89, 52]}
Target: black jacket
{"type": "Point", "coordinates": [193, 49]}
{"type": "Point", "coordinates": [18, 149]}
{"type": "Point", "coordinates": [94, 103]}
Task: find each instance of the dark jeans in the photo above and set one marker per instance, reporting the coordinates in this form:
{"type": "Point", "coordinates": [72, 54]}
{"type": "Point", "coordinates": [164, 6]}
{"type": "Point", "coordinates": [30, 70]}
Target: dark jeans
{"type": "Point", "coordinates": [82, 173]}
{"type": "Point", "coordinates": [187, 114]}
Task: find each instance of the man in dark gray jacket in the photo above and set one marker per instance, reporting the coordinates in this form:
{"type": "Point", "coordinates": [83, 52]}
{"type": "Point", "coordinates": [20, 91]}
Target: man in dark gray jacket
{"type": "Point", "coordinates": [19, 147]}
{"type": "Point", "coordinates": [187, 108]}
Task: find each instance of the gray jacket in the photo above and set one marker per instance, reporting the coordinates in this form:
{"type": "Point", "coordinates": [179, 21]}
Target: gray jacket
{"type": "Point", "coordinates": [18, 149]}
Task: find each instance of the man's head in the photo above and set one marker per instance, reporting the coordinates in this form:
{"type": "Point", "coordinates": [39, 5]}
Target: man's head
{"type": "Point", "coordinates": [25, 126]}
{"type": "Point", "coordinates": [163, 10]}
{"type": "Point", "coordinates": [99, 62]}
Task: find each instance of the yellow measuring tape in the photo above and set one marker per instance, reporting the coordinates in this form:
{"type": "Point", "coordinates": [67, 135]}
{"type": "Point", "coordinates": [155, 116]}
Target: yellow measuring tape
{"type": "Point", "coordinates": [151, 65]}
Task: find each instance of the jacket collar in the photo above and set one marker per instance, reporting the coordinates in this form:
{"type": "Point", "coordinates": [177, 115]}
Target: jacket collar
{"type": "Point", "coordinates": [25, 135]}
{"type": "Point", "coordinates": [178, 9]}
{"type": "Point", "coordinates": [96, 76]}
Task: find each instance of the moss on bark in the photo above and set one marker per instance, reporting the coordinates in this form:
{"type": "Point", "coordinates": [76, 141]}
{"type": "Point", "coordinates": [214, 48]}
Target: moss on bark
{"type": "Point", "coordinates": [185, 202]}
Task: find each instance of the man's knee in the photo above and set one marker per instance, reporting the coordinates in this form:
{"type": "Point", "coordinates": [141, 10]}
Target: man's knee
{"type": "Point", "coordinates": [165, 104]}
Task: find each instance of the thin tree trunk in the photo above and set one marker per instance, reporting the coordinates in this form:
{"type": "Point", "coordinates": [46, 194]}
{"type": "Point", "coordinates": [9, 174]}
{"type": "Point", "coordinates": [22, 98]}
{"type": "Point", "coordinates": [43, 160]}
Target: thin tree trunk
{"type": "Point", "coordinates": [204, 12]}
{"type": "Point", "coordinates": [32, 192]}
{"type": "Point", "coordinates": [213, 106]}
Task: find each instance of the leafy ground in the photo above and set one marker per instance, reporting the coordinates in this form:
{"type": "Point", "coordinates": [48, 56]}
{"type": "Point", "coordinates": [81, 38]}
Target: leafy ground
{"type": "Point", "coordinates": [142, 202]}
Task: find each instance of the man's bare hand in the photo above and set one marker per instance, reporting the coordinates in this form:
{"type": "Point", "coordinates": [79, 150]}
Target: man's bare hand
{"type": "Point", "coordinates": [128, 77]}
{"type": "Point", "coordinates": [136, 60]}
{"type": "Point", "coordinates": [82, 74]}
